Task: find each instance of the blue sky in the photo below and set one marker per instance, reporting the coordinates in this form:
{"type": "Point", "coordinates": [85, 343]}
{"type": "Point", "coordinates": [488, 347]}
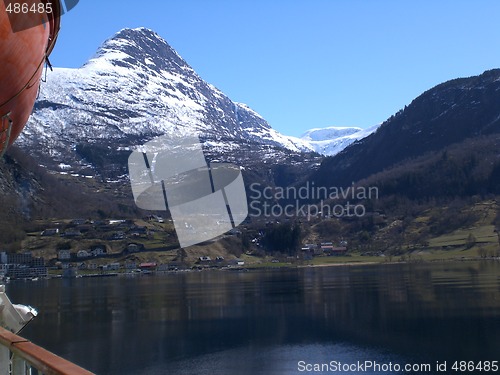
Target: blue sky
{"type": "Point", "coordinates": [305, 64]}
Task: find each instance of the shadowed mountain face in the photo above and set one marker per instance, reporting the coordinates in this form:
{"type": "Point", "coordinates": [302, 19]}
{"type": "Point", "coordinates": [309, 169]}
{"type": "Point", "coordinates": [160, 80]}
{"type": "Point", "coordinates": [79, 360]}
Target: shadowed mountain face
{"type": "Point", "coordinates": [444, 115]}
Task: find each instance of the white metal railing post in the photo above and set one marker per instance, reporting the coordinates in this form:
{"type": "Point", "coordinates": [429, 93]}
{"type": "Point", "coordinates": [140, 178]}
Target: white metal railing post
{"type": "Point", "coordinates": [18, 365]}
{"type": "Point", "coordinates": [4, 360]}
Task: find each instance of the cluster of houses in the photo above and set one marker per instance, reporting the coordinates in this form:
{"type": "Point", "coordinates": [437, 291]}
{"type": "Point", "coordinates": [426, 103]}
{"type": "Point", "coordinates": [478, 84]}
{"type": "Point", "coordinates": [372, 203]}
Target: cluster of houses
{"type": "Point", "coordinates": [311, 250]}
{"type": "Point", "coordinates": [84, 257]}
{"type": "Point", "coordinates": [152, 267]}
{"type": "Point", "coordinates": [127, 267]}
{"type": "Point", "coordinates": [25, 266]}
{"type": "Point", "coordinates": [22, 266]}
{"type": "Point", "coordinates": [68, 255]}
{"type": "Point", "coordinates": [220, 262]}
{"type": "Point", "coordinates": [117, 266]}
{"type": "Point", "coordinates": [112, 230]}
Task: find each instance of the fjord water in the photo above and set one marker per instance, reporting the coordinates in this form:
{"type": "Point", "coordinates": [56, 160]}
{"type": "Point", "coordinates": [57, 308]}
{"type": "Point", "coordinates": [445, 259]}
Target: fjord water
{"type": "Point", "coordinates": [270, 321]}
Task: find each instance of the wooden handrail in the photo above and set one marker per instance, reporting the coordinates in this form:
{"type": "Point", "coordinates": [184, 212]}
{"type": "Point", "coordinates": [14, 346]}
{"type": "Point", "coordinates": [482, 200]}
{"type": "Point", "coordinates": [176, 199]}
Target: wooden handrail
{"type": "Point", "coordinates": [44, 361]}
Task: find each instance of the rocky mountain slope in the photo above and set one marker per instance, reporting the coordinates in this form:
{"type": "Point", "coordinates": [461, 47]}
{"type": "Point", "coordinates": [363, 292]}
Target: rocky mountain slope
{"type": "Point", "coordinates": [447, 114]}
{"type": "Point", "coordinates": [30, 192]}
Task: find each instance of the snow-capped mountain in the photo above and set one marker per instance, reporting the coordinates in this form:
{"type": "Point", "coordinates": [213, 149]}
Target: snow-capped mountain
{"type": "Point", "coordinates": [332, 140]}
{"type": "Point", "coordinates": [135, 88]}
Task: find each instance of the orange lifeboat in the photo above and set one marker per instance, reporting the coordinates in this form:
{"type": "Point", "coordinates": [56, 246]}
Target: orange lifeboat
{"type": "Point", "coordinates": [28, 32]}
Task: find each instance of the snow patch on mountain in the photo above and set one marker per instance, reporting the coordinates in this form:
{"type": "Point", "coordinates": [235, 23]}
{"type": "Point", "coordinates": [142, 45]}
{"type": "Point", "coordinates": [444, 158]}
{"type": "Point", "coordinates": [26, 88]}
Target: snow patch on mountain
{"type": "Point", "coordinates": [330, 141]}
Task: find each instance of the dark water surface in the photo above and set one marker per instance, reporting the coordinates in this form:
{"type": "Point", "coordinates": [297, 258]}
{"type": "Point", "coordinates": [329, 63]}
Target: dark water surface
{"type": "Point", "coordinates": [271, 322]}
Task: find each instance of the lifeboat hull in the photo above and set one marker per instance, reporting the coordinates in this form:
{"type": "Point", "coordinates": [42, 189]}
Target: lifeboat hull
{"type": "Point", "coordinates": [22, 59]}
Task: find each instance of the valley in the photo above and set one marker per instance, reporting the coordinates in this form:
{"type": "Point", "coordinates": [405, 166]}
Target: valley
{"type": "Point", "coordinates": [434, 165]}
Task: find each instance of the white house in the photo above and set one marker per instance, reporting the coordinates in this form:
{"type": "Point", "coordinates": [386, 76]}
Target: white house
{"type": "Point", "coordinates": [98, 251]}
{"type": "Point", "coordinates": [82, 254]}
{"type": "Point", "coordinates": [64, 255]}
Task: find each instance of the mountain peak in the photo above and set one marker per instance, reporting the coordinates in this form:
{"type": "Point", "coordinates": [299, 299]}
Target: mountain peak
{"type": "Point", "coordinates": [139, 37]}
{"type": "Point", "coordinates": [129, 48]}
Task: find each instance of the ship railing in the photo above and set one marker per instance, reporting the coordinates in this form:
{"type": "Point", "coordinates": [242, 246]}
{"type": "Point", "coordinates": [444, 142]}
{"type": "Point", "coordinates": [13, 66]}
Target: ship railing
{"type": "Point", "coordinates": [5, 130]}
{"type": "Point", "coordinates": [19, 356]}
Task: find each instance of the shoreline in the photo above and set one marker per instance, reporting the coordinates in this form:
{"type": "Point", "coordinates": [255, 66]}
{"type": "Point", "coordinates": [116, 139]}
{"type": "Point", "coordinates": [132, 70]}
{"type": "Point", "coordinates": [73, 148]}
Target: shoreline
{"type": "Point", "coordinates": [255, 268]}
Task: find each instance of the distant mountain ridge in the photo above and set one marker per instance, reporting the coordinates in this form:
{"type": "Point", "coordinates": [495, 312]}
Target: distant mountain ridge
{"type": "Point", "coordinates": [331, 140]}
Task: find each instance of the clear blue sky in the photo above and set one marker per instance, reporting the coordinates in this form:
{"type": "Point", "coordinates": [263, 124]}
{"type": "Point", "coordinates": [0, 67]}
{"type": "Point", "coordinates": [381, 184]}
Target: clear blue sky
{"type": "Point", "coordinates": [304, 64]}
